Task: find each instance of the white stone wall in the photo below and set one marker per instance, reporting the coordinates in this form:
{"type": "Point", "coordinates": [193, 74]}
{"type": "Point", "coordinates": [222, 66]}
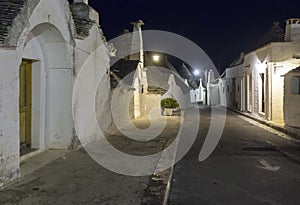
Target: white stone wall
{"type": "Point", "coordinates": [214, 94]}
{"type": "Point", "coordinates": [153, 104]}
{"type": "Point", "coordinates": [273, 60]}
{"type": "Point", "coordinates": [241, 86]}
{"type": "Point", "coordinates": [123, 107]}
{"type": "Point", "coordinates": [277, 98]}
{"type": "Point", "coordinates": [223, 91]}
{"type": "Point", "coordinates": [198, 95]}
{"type": "Point", "coordinates": [193, 95]}
{"type": "Point", "coordinates": [9, 118]}
{"type": "Point", "coordinates": [176, 93]}
{"type": "Point", "coordinates": [233, 87]}
{"type": "Point", "coordinates": [48, 40]}
{"type": "Point", "coordinates": [291, 105]}
{"type": "Point", "coordinates": [92, 78]}
{"type": "Point", "coordinates": [255, 63]}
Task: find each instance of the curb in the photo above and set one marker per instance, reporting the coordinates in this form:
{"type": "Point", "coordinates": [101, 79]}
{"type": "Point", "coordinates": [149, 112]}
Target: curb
{"type": "Point", "coordinates": [159, 185]}
{"type": "Point", "coordinates": [293, 135]}
{"type": "Point", "coordinates": [285, 135]}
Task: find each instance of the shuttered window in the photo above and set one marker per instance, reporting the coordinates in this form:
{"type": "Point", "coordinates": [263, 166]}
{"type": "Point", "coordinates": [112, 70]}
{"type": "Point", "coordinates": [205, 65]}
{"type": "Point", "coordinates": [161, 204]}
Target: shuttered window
{"type": "Point", "coordinates": [295, 85]}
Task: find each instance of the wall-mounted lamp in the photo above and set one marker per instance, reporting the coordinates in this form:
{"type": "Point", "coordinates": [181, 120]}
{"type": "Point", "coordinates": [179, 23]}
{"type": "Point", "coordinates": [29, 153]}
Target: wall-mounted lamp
{"type": "Point", "coordinates": [156, 58]}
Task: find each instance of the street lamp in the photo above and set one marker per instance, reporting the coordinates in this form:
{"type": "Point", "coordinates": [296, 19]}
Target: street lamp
{"type": "Point", "coordinates": [196, 73]}
{"type": "Point", "coordinates": [156, 58]}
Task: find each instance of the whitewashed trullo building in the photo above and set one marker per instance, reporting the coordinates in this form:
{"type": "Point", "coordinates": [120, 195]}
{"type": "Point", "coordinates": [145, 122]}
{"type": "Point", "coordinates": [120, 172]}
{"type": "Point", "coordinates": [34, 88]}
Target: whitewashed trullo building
{"type": "Point", "coordinates": [258, 82]}
{"type": "Point", "coordinates": [43, 45]}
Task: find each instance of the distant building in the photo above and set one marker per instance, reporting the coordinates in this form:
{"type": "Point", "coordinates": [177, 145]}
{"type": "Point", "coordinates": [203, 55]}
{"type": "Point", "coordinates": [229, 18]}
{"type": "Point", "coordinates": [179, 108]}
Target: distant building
{"type": "Point", "coordinates": [198, 95]}
{"type": "Point", "coordinates": [168, 82]}
{"type": "Point", "coordinates": [255, 83]}
{"type": "Point", "coordinates": [149, 84]}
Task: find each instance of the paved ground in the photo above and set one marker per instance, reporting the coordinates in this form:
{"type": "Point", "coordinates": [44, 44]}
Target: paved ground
{"type": "Point", "coordinates": [76, 179]}
{"type": "Point", "coordinates": [251, 165]}
{"type": "Point", "coordinates": [246, 168]}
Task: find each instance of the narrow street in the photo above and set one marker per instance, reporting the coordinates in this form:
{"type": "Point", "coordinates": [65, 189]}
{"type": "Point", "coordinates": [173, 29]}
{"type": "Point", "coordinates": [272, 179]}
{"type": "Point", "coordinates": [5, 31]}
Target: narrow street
{"type": "Point", "coordinates": [249, 166]}
{"type": "Point", "coordinates": [145, 103]}
{"type": "Point", "coordinates": [246, 168]}
{"type": "Point", "coordinates": [75, 178]}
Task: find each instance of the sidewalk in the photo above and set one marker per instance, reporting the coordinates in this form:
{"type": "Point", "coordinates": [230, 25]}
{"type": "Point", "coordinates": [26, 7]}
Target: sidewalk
{"type": "Point", "coordinates": [292, 132]}
{"type": "Point", "coordinates": [288, 140]}
{"type": "Point", "coordinates": [75, 178]}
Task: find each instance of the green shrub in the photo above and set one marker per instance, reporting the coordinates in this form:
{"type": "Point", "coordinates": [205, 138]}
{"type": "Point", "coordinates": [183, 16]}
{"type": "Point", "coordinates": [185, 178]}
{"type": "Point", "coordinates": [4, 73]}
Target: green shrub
{"type": "Point", "coordinates": [169, 103]}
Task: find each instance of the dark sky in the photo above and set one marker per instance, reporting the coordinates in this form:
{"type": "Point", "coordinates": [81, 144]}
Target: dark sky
{"type": "Point", "coordinates": [222, 29]}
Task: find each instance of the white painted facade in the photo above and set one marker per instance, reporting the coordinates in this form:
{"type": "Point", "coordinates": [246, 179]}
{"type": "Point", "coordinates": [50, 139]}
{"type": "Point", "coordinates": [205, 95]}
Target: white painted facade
{"type": "Point", "coordinates": [48, 39]}
{"type": "Point", "coordinates": [153, 104]}
{"type": "Point", "coordinates": [257, 84]}
{"type": "Point", "coordinates": [140, 78]}
{"type": "Point", "coordinates": [212, 90]}
{"type": "Point", "coordinates": [176, 92]}
{"type": "Point", "coordinates": [198, 95]}
{"type": "Point", "coordinates": [292, 98]}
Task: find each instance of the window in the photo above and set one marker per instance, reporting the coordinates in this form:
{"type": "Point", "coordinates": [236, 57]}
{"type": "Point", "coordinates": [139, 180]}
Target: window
{"type": "Point", "coordinates": [295, 85]}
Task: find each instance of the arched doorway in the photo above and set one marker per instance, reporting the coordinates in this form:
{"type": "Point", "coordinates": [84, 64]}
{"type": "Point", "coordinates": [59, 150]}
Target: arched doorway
{"type": "Point", "coordinates": [49, 121]}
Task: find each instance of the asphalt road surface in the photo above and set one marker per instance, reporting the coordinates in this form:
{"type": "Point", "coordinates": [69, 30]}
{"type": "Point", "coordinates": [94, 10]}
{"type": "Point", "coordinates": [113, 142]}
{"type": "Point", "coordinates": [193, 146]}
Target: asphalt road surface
{"type": "Point", "coordinates": [246, 168]}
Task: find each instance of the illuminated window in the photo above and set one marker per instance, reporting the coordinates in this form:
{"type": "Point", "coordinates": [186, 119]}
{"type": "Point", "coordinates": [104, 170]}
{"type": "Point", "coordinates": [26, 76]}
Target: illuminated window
{"type": "Point", "coordinates": [295, 85]}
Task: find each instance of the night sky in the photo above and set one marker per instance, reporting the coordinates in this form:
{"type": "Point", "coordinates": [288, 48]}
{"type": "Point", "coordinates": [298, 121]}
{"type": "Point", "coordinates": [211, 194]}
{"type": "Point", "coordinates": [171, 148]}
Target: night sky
{"type": "Point", "coordinates": [223, 29]}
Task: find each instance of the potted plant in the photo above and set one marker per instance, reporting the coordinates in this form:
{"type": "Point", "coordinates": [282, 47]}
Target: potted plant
{"type": "Point", "coordinates": [168, 105]}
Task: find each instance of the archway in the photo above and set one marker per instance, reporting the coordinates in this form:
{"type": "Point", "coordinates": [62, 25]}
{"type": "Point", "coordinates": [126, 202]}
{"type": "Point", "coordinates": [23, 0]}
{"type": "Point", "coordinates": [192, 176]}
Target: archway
{"type": "Point", "coordinates": [52, 82]}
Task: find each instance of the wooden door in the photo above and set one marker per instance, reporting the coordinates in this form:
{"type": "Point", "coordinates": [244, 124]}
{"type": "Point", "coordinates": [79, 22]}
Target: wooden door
{"type": "Point", "coordinates": [25, 99]}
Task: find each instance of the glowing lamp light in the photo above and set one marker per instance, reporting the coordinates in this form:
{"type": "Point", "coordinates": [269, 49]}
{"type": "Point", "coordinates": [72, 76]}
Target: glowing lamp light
{"type": "Point", "coordinates": [156, 58]}
{"type": "Point", "coordinates": [196, 72]}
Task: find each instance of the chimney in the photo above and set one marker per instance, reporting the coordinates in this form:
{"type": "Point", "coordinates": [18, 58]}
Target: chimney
{"type": "Point", "coordinates": [137, 48]}
{"type": "Point", "coordinates": [292, 30]}
{"type": "Point", "coordinates": [242, 55]}
{"type": "Point", "coordinates": [211, 77]}
{"type": "Point", "coordinates": [82, 10]}
{"type": "Point", "coordinates": [82, 1]}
